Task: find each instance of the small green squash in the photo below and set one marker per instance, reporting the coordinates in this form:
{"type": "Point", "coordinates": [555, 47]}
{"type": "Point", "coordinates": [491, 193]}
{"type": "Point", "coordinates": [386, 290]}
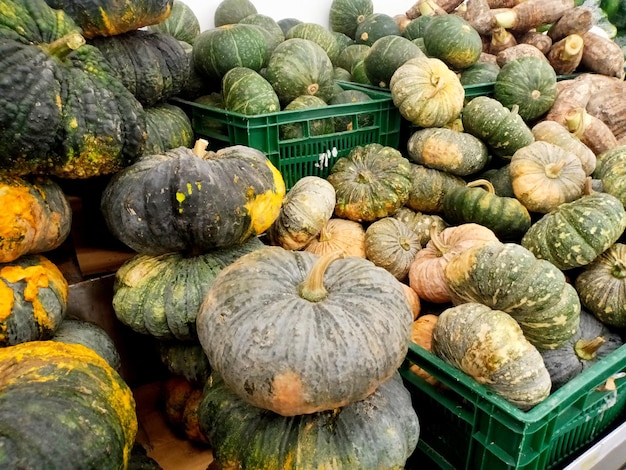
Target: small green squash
{"type": "Point", "coordinates": [246, 92]}
{"type": "Point", "coordinates": [232, 11]}
{"type": "Point", "coordinates": [380, 431]}
{"type": "Point", "coordinates": [307, 128]}
{"type": "Point", "coordinates": [182, 23]}
{"type": "Point", "coordinates": [186, 359]}
{"type": "Point", "coordinates": [508, 277]}
{"type": "Point", "coordinates": [287, 23]}
{"type": "Point", "coordinates": [489, 346]}
{"type": "Point", "coordinates": [350, 55]}
{"type": "Point", "coordinates": [416, 27]}
{"type": "Point", "coordinates": [375, 26]}
{"type": "Point", "coordinates": [480, 73]}
{"type": "Point", "coordinates": [168, 127]}
{"type": "Point", "coordinates": [610, 169]}
{"type": "Point", "coordinates": [384, 57]}
{"type": "Point", "coordinates": [345, 15]}
{"type": "Point", "coordinates": [268, 314]}
{"type": "Point", "coordinates": [428, 188]}
{"type": "Point", "coordinates": [453, 40]}
{"type": "Point", "coordinates": [577, 232]}
{"type": "Point", "coordinates": [274, 34]}
{"type": "Point", "coordinates": [392, 245]}
{"type": "Point", "coordinates": [420, 223]}
{"type": "Point", "coordinates": [347, 122]}
{"type": "Point", "coordinates": [500, 179]}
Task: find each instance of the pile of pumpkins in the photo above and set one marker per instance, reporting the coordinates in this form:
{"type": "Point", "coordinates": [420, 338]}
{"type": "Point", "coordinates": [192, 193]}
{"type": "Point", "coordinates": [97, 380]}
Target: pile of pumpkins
{"type": "Point", "coordinates": [491, 237]}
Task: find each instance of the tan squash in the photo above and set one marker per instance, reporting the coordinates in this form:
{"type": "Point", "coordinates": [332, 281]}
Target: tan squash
{"type": "Point", "coordinates": [413, 299]}
{"type": "Point", "coordinates": [392, 245]}
{"type": "Point", "coordinates": [422, 335]}
{"type": "Point", "coordinates": [339, 235]}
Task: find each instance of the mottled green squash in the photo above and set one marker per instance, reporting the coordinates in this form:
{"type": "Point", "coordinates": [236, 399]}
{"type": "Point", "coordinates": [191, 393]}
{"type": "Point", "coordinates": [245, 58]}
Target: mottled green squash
{"type": "Point", "coordinates": [186, 359]}
{"type": "Point", "coordinates": [245, 91]}
{"type": "Point", "coordinates": [287, 23]}
{"type": "Point", "coordinates": [577, 232]}
{"type": "Point", "coordinates": [453, 40]}
{"type": "Point", "coordinates": [500, 179]}
{"type": "Point", "coordinates": [508, 277]}
{"type": "Point", "coordinates": [274, 34]}
{"type": "Point", "coordinates": [232, 11]}
{"type": "Point", "coordinates": [299, 129]}
{"type": "Point", "coordinates": [375, 26]}
{"type": "Point", "coordinates": [318, 34]}
{"type": "Point", "coordinates": [480, 73]}
{"type": "Point", "coordinates": [428, 188]}
{"type": "Point", "coordinates": [348, 56]}
{"type": "Point", "coordinates": [345, 15]}
{"type": "Point", "coordinates": [489, 346]}
{"type": "Point", "coordinates": [168, 127]}
{"type": "Point", "coordinates": [182, 23]}
{"type": "Point", "coordinates": [392, 245]}
{"type": "Point", "coordinates": [416, 27]}
{"type": "Point", "coordinates": [384, 57]}
{"type": "Point", "coordinates": [420, 223]}
{"type": "Point", "coordinates": [346, 123]}
{"type": "Point", "coordinates": [610, 169]}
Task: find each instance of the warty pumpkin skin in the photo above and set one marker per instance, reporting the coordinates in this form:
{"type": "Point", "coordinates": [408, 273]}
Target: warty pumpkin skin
{"type": "Point", "coordinates": [420, 223]}
{"type": "Point", "coordinates": [508, 277]}
{"type": "Point", "coordinates": [489, 346]}
{"type": "Point", "coordinates": [63, 406]}
{"type": "Point", "coordinates": [380, 431]}
{"type": "Point", "coordinates": [167, 127]}
{"type": "Point", "coordinates": [62, 111]}
{"type": "Point", "coordinates": [280, 327]}
{"type": "Point", "coordinates": [33, 299]}
{"type": "Point", "coordinates": [36, 216]}
{"type": "Point", "coordinates": [428, 188]}
{"type": "Point", "coordinates": [193, 200]}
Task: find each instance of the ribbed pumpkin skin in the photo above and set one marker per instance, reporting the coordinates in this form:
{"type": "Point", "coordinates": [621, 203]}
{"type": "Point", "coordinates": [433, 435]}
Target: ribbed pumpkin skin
{"type": "Point", "coordinates": [300, 67]}
{"type": "Point", "coordinates": [247, 92]}
{"type": "Point", "coordinates": [178, 201]}
{"type": "Point", "coordinates": [160, 295]}
{"type": "Point", "coordinates": [428, 188]}
{"type": "Point", "coordinates": [153, 66]}
{"type": "Point", "coordinates": [489, 346]}
{"type": "Point", "coordinates": [577, 232]}
{"type": "Point", "coordinates": [610, 169]}
{"type": "Point", "coordinates": [33, 295]}
{"type": "Point", "coordinates": [279, 351]}
{"type": "Point", "coordinates": [232, 11]}
{"type": "Point", "coordinates": [600, 286]}
{"type": "Point", "coordinates": [49, 120]}
{"type": "Point", "coordinates": [508, 277]}
{"type": "Point", "coordinates": [374, 27]}
{"type": "Point", "coordinates": [319, 35]}
{"type": "Point", "coordinates": [213, 56]}
{"type": "Point", "coordinates": [420, 223]}
{"type": "Point", "coordinates": [345, 15]}
{"type": "Point", "coordinates": [168, 127]}
{"type": "Point", "coordinates": [90, 335]}
{"type": "Point", "coordinates": [453, 40]}
{"type": "Point", "coordinates": [557, 134]}
{"type": "Point", "coordinates": [371, 182]}
{"type": "Point", "coordinates": [386, 55]}
{"type": "Point", "coordinates": [63, 406]}
{"type": "Point", "coordinates": [182, 23]}
{"type": "Point", "coordinates": [380, 431]}
{"type": "Point", "coordinates": [339, 235]}
{"type": "Point", "coordinates": [392, 245]}
{"type": "Point", "coordinates": [36, 216]}
{"type": "Point", "coordinates": [503, 131]}
{"type": "Point", "coordinates": [186, 359]}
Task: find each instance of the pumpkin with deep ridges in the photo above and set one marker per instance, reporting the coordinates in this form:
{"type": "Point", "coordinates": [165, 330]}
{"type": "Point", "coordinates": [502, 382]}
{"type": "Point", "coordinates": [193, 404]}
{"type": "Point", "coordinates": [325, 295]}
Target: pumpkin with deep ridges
{"type": "Point", "coordinates": [182, 23]}
{"type": "Point", "coordinates": [168, 127]}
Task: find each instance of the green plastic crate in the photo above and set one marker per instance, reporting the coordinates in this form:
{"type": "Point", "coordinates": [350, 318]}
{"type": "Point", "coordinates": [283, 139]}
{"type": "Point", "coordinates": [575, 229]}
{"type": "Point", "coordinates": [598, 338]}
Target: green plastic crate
{"type": "Point", "coordinates": [306, 156]}
{"type": "Point", "coordinates": [466, 426]}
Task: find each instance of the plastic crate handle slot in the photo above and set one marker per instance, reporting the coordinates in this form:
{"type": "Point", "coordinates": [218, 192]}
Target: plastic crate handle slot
{"type": "Point", "coordinates": [325, 157]}
{"type": "Point", "coordinates": [609, 385]}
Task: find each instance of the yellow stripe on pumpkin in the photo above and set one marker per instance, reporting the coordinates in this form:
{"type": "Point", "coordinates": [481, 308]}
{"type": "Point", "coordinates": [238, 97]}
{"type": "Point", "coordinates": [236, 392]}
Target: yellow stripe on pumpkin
{"type": "Point", "coordinates": [265, 207]}
{"type": "Point", "coordinates": [18, 219]}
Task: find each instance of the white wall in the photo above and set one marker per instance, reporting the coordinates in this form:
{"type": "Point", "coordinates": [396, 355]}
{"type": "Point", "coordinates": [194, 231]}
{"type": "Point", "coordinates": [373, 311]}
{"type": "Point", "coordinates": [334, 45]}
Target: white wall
{"type": "Point", "coordinates": [305, 10]}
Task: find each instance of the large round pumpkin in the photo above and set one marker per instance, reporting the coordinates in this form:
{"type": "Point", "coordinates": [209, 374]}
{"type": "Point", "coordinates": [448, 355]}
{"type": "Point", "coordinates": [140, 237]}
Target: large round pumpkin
{"type": "Point", "coordinates": [193, 200]}
{"type": "Point", "coordinates": [62, 406]}
{"type": "Point", "coordinates": [380, 431]}
{"type": "Point", "coordinates": [33, 299]}
{"type": "Point", "coordinates": [280, 327]}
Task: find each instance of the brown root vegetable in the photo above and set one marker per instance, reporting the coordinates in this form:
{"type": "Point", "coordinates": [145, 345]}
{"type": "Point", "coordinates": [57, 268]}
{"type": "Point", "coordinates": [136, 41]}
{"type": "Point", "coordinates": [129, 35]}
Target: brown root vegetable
{"type": "Point", "coordinates": [602, 55]}
{"type": "Point", "coordinates": [533, 13]}
{"type": "Point", "coordinates": [571, 95]}
{"type": "Point", "coordinates": [503, 3]}
{"type": "Point", "coordinates": [487, 57]}
{"type": "Point", "coordinates": [591, 131]}
{"type": "Point", "coordinates": [609, 105]}
{"type": "Point", "coordinates": [501, 39]}
{"type": "Point", "coordinates": [565, 55]}
{"type": "Point", "coordinates": [401, 20]}
{"type": "Point", "coordinates": [578, 20]}
{"type": "Point", "coordinates": [441, 6]}
{"type": "Point", "coordinates": [515, 52]}
{"type": "Point", "coordinates": [479, 15]}
{"type": "Point", "coordinates": [541, 41]}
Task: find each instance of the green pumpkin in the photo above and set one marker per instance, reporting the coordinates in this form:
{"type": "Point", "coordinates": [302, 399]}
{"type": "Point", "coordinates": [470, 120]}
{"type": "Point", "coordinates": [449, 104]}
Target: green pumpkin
{"type": "Point", "coordinates": [287, 23]}
{"type": "Point", "coordinates": [577, 232]}
{"type": "Point", "coordinates": [508, 277]}
{"type": "Point", "coordinates": [416, 27]}
{"type": "Point", "coordinates": [371, 182]}
{"type": "Point", "coordinates": [502, 130]}
{"type": "Point", "coordinates": [529, 83]}
{"type": "Point", "coordinates": [193, 200]}
{"type": "Point", "coordinates": [429, 187]}
{"type": "Point", "coordinates": [375, 26]}
{"type": "Point", "coordinates": [186, 359]}
{"type": "Point", "coordinates": [345, 15]}
{"type": "Point", "coordinates": [489, 346]}
{"type": "Point", "coordinates": [610, 169]}
{"type": "Point", "coordinates": [268, 314]}
{"type": "Point", "coordinates": [274, 34]}
{"type": "Point", "coordinates": [453, 40]}
{"type": "Point", "coordinates": [420, 223]}
{"type": "Point", "coordinates": [477, 202]}
{"type": "Point", "coordinates": [479, 73]}
{"type": "Point", "coordinates": [500, 179]}
{"type": "Point", "coordinates": [168, 127]}
{"type": "Point", "coordinates": [319, 35]}
{"type": "Point", "coordinates": [346, 123]}
{"type": "Point", "coordinates": [298, 130]}
{"type": "Point", "coordinates": [246, 92]}
{"type": "Point", "coordinates": [232, 11]}
{"type": "Point", "coordinates": [384, 57]}
{"type": "Point", "coordinates": [182, 23]}
{"type": "Point", "coordinates": [392, 245]}
{"type": "Point", "coordinates": [348, 56]}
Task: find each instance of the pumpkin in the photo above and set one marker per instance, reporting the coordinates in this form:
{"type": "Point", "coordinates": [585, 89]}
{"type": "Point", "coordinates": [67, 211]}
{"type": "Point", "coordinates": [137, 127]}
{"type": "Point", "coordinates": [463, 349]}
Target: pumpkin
{"type": "Point", "coordinates": [306, 209]}
{"type": "Point", "coordinates": [113, 17]}
{"type": "Point", "coordinates": [76, 331]}
{"type": "Point", "coordinates": [75, 119]}
{"type": "Point", "coordinates": [160, 295]}
{"type": "Point", "coordinates": [426, 92]}
{"type": "Point", "coordinates": [33, 295]}
{"type": "Point", "coordinates": [212, 50]}
{"type": "Point", "coordinates": [308, 128]}
{"type": "Point", "coordinates": [181, 401]}
{"type": "Point", "coordinates": [36, 217]}
{"type": "Point", "coordinates": [610, 169]}
{"type": "Point", "coordinates": [351, 54]}
{"type": "Point", "coordinates": [345, 15]}
{"type": "Point", "coordinates": [232, 11]}
{"type": "Point", "coordinates": [454, 40]}
{"type": "Point", "coordinates": [500, 179]}
{"type": "Point", "coordinates": [273, 33]}
{"type": "Point", "coordinates": [371, 182]}
{"type": "Point", "coordinates": [340, 235]}
{"type": "Point", "coordinates": [502, 130]}
{"type": "Point", "coordinates": [392, 245]}
{"type": "Point", "coordinates": [600, 286]}
{"type": "Point", "coordinates": [557, 134]}
{"type": "Point", "coordinates": [246, 92]}
{"type": "Point", "coordinates": [384, 57]}
{"type": "Point", "coordinates": [168, 127]}
{"type": "Point", "coordinates": [286, 298]}
{"type": "Point", "coordinates": [380, 431]}
{"type": "Point", "coordinates": [427, 271]}
{"type": "Point", "coordinates": [508, 277]}
{"type": "Point", "coordinates": [347, 122]}
{"type": "Point", "coordinates": [544, 176]}
{"type": "Point", "coordinates": [489, 346]}
{"type": "Point", "coordinates": [477, 202]}
{"type": "Point", "coordinates": [592, 342]}
{"type": "Point", "coordinates": [529, 83]}
{"type": "Point", "coordinates": [420, 223]}
{"type": "Point", "coordinates": [456, 152]}
{"type": "Point", "coordinates": [422, 335]}
{"type": "Point", "coordinates": [414, 300]}
{"type": "Point", "coordinates": [318, 34]}
{"type": "Point", "coordinates": [63, 406]}
{"type": "Point", "coordinates": [287, 23]}
{"type": "Point", "coordinates": [300, 67]}
{"type": "Point", "coordinates": [479, 73]}
{"type": "Point", "coordinates": [375, 26]}
{"type": "Point", "coordinates": [416, 28]}
{"type": "Point", "coordinates": [193, 200]}
{"type": "Point", "coordinates": [428, 188]}
{"type": "Point", "coordinates": [182, 23]}
{"type": "Point", "coordinates": [577, 232]}
{"type": "Point", "coordinates": [185, 359]}
{"type": "Point", "coordinates": [154, 66]}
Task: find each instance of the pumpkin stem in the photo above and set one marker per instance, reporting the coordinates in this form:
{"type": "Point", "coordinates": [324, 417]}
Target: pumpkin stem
{"type": "Point", "coordinates": [482, 183]}
{"type": "Point", "coordinates": [199, 148]}
{"type": "Point", "coordinates": [312, 288]}
{"type": "Point", "coordinates": [63, 46]}
{"type": "Point", "coordinates": [619, 269]}
{"type": "Point", "coordinates": [553, 170]}
{"type": "Point", "coordinates": [587, 348]}
{"type": "Point", "coordinates": [436, 241]}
